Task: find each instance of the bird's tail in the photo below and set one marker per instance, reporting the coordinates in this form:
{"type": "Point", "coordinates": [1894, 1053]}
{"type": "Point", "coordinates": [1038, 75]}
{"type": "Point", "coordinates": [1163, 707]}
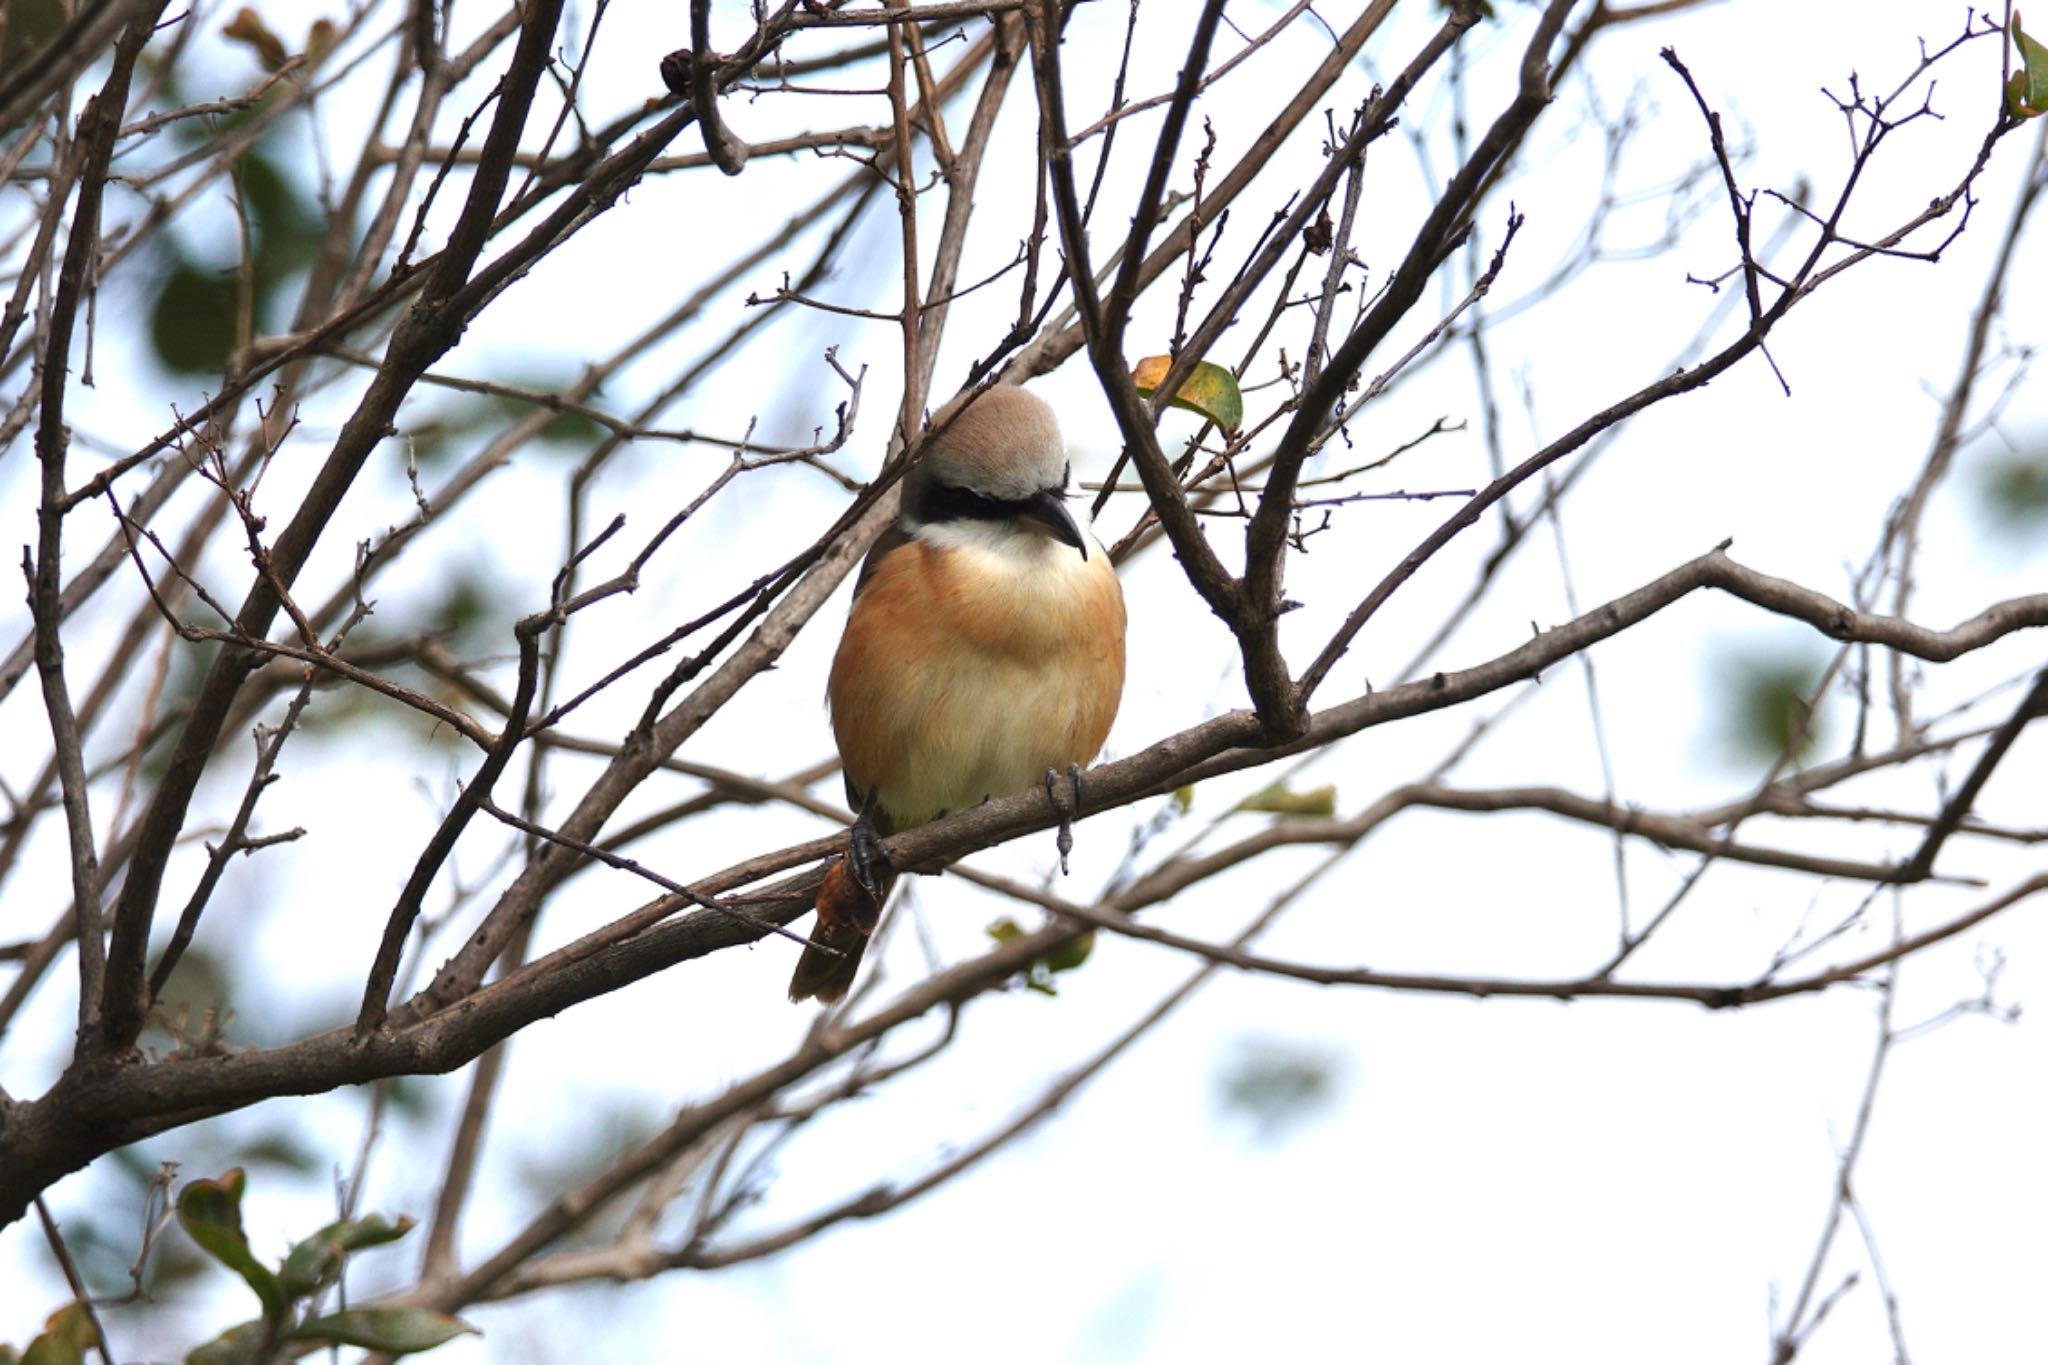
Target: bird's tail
{"type": "Point", "coordinates": [846, 916]}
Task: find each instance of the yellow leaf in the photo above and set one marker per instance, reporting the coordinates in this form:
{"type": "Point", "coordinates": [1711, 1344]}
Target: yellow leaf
{"type": "Point", "coordinates": [1320, 802]}
{"type": "Point", "coordinates": [1209, 390]}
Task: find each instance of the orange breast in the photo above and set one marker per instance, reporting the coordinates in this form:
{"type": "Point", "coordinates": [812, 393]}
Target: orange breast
{"type": "Point", "coordinates": [965, 673]}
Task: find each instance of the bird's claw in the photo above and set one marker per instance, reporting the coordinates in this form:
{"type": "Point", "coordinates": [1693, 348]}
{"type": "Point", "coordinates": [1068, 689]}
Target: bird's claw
{"type": "Point", "coordinates": [1064, 840]}
{"type": "Point", "coordinates": [867, 860]}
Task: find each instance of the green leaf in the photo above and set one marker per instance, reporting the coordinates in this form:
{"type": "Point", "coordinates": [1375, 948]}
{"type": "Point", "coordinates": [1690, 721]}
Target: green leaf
{"type": "Point", "coordinates": [1065, 958]}
{"type": "Point", "coordinates": [1070, 954]}
{"type": "Point", "coordinates": [243, 1344]}
{"type": "Point", "coordinates": [1209, 390]}
{"type": "Point", "coordinates": [2026, 92]}
{"type": "Point", "coordinates": [400, 1331]}
{"type": "Point", "coordinates": [67, 1335]}
{"type": "Point", "coordinates": [211, 1211]}
{"type": "Point", "coordinates": [316, 1262]}
{"type": "Point", "coordinates": [1277, 800]}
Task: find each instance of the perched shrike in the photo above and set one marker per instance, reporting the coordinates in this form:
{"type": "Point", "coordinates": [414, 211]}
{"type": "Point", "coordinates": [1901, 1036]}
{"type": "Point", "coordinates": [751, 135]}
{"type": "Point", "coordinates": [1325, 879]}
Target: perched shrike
{"type": "Point", "coordinates": [985, 651]}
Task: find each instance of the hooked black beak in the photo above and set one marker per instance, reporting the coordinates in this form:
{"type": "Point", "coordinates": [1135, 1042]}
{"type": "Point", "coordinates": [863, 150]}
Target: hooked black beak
{"type": "Point", "coordinates": [1049, 510]}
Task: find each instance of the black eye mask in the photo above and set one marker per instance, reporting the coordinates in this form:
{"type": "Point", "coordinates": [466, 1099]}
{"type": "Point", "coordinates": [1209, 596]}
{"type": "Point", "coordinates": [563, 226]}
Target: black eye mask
{"type": "Point", "coordinates": [944, 502]}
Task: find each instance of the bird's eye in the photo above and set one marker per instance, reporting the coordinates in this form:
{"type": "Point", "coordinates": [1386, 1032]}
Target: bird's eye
{"type": "Point", "coordinates": [1066, 476]}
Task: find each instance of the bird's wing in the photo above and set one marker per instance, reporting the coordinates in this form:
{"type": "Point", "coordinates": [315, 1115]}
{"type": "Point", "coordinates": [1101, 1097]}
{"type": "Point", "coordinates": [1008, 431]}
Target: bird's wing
{"type": "Point", "coordinates": [891, 539]}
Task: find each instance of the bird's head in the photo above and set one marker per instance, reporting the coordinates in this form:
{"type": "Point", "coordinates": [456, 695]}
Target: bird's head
{"type": "Point", "coordinates": [1000, 460]}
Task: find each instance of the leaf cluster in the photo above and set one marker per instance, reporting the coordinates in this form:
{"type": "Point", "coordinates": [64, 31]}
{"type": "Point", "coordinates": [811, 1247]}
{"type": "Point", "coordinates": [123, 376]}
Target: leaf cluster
{"type": "Point", "coordinates": [211, 1212]}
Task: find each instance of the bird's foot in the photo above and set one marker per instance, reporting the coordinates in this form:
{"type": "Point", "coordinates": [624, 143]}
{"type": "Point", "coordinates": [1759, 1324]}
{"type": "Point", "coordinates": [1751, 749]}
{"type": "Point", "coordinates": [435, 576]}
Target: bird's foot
{"type": "Point", "coordinates": [1064, 841]}
{"type": "Point", "coordinates": [869, 862]}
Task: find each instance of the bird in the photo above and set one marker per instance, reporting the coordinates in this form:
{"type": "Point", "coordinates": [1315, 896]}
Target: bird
{"type": "Point", "coordinates": [983, 653]}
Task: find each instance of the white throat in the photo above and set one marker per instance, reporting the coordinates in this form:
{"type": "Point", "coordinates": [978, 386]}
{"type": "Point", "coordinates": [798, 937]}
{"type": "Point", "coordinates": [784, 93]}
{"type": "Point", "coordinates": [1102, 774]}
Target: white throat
{"type": "Point", "coordinates": [1023, 549]}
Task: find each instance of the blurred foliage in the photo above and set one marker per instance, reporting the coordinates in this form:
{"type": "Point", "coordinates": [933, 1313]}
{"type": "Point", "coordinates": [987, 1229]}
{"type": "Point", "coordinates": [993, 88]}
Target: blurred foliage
{"type": "Point", "coordinates": [66, 1336]}
{"type": "Point", "coordinates": [248, 29]}
{"type": "Point", "coordinates": [457, 428]}
{"type": "Point", "coordinates": [605, 1132]}
{"type": "Point", "coordinates": [193, 305]}
{"type": "Point", "coordinates": [270, 50]}
{"type": "Point", "coordinates": [1276, 1084]}
{"type": "Point", "coordinates": [192, 321]}
{"type": "Point", "coordinates": [1317, 802]}
{"type": "Point", "coordinates": [189, 662]}
{"type": "Point", "coordinates": [2011, 492]}
{"type": "Point", "coordinates": [1764, 705]}
{"type": "Point", "coordinates": [210, 1211]}
{"type": "Point", "coordinates": [192, 318]}
{"type": "Point", "coordinates": [192, 1013]}
{"type": "Point", "coordinates": [30, 24]}
{"type": "Point", "coordinates": [200, 1011]}
{"type": "Point", "coordinates": [112, 1228]}
{"type": "Point", "coordinates": [1068, 956]}
{"type": "Point", "coordinates": [465, 610]}
{"type": "Point", "coordinates": [468, 612]}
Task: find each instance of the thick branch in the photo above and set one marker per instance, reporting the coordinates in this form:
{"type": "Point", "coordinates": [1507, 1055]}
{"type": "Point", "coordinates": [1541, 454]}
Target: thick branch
{"type": "Point", "coordinates": [92, 1112]}
{"type": "Point", "coordinates": [98, 128]}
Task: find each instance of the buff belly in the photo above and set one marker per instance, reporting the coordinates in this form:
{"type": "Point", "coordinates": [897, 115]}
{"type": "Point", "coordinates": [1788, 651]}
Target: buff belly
{"type": "Point", "coordinates": [970, 668]}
